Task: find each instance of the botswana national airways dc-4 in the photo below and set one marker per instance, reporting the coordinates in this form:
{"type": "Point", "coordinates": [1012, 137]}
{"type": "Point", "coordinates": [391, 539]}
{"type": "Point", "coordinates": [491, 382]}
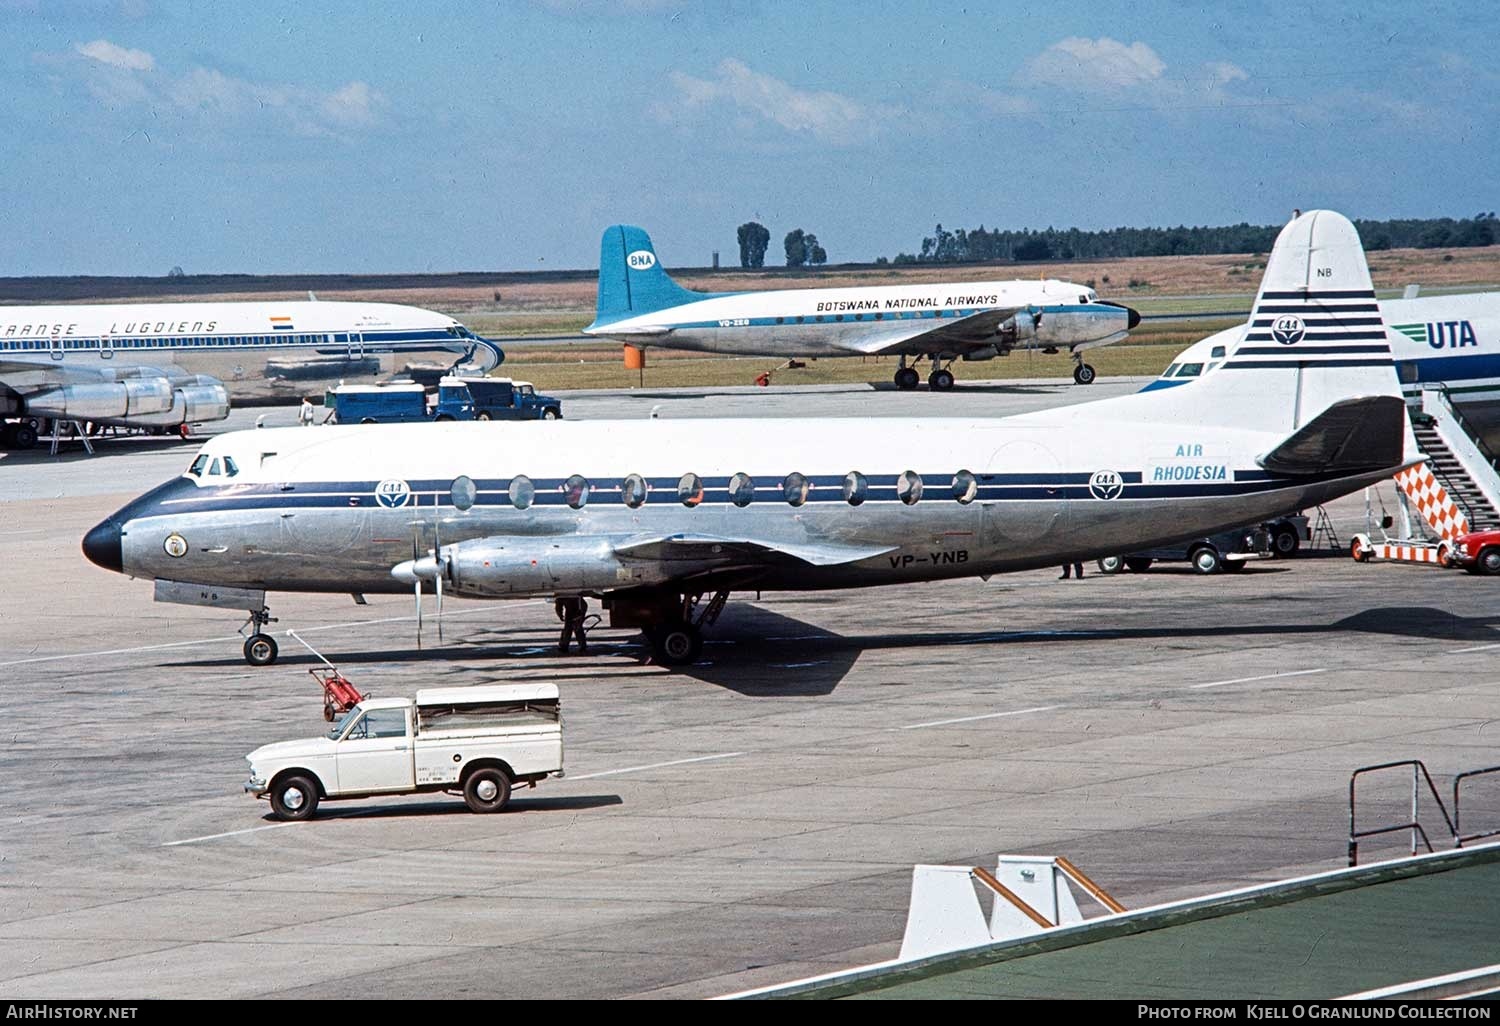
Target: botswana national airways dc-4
{"type": "Point", "coordinates": [654, 516]}
{"type": "Point", "coordinates": [641, 305]}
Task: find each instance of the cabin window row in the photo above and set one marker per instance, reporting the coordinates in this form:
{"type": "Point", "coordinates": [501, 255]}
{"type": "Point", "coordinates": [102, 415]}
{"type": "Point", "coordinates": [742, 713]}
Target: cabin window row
{"type": "Point", "coordinates": [795, 489]}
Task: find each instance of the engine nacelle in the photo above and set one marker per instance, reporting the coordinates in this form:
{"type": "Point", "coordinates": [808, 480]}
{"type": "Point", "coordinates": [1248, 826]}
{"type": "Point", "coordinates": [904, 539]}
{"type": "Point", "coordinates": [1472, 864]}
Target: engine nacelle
{"type": "Point", "coordinates": [1084, 322]}
{"type": "Point", "coordinates": [103, 402]}
{"type": "Point", "coordinates": [1020, 326]}
{"type": "Point", "coordinates": [200, 403]}
{"type": "Point", "coordinates": [491, 567]}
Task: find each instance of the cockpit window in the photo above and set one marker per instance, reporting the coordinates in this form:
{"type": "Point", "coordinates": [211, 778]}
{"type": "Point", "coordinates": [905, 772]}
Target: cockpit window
{"type": "Point", "coordinates": [1190, 370]}
{"type": "Point", "coordinates": [1171, 370]}
{"type": "Point", "coordinates": [229, 468]}
{"type": "Point", "coordinates": [1218, 353]}
{"type": "Point", "coordinates": [198, 464]}
{"type": "Point", "coordinates": [213, 469]}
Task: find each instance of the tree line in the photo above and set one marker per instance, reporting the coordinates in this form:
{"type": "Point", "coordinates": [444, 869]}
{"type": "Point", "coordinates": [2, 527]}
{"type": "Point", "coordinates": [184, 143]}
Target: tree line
{"type": "Point", "coordinates": [988, 244]}
{"type": "Point", "coordinates": [801, 247]}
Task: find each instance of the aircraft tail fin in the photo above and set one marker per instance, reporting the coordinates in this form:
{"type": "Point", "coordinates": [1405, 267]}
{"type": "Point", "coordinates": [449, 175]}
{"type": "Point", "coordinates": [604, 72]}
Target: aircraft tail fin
{"type": "Point", "coordinates": [631, 279]}
{"type": "Point", "coordinates": [1314, 339]}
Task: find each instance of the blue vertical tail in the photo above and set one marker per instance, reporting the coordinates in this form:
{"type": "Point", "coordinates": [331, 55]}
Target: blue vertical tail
{"type": "Point", "coordinates": [631, 280]}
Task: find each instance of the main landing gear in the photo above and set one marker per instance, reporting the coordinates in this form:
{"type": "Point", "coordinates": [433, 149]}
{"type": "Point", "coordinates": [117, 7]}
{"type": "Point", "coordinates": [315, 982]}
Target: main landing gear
{"type": "Point", "coordinates": [260, 648]}
{"type": "Point", "coordinates": [672, 622]}
{"type": "Point", "coordinates": [939, 380]}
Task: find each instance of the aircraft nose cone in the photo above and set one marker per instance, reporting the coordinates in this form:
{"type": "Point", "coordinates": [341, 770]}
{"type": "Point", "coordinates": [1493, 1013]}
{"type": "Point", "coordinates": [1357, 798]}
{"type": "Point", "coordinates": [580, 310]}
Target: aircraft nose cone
{"type": "Point", "coordinates": [102, 546]}
{"type": "Point", "coordinates": [1134, 318]}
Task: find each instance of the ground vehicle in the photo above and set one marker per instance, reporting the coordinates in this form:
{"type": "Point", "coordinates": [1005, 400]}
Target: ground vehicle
{"type": "Point", "coordinates": [398, 404]}
{"type": "Point", "coordinates": [1227, 550]}
{"type": "Point", "coordinates": [478, 742]}
{"type": "Point", "coordinates": [1478, 552]}
{"type": "Point", "coordinates": [504, 399]}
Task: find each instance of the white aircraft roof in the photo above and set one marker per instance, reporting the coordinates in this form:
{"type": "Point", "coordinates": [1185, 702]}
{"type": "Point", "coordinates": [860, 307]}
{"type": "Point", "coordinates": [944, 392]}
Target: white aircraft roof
{"type": "Point", "coordinates": [488, 694]}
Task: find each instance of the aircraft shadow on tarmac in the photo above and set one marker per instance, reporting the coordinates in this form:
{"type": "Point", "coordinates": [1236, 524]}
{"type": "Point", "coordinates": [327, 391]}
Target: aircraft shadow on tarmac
{"type": "Point", "coordinates": [757, 652]}
{"type": "Point", "coordinates": [519, 803]}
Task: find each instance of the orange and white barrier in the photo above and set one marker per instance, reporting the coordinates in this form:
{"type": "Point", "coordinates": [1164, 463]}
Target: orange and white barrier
{"type": "Point", "coordinates": [1432, 500]}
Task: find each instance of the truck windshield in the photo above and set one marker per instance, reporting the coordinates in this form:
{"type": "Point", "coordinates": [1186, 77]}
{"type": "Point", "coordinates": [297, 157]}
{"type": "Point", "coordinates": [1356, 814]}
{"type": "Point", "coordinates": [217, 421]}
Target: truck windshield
{"type": "Point", "coordinates": [337, 730]}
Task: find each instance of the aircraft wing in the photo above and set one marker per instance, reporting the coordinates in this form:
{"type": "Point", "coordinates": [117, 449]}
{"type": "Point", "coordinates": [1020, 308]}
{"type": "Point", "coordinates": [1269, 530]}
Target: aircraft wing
{"type": "Point", "coordinates": [30, 372]}
{"type": "Point", "coordinates": [924, 335]}
{"type": "Point", "coordinates": [699, 548]}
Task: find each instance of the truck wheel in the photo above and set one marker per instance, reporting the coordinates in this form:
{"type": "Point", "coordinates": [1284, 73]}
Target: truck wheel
{"type": "Point", "coordinates": [486, 790]}
{"type": "Point", "coordinates": [1205, 560]}
{"type": "Point", "coordinates": [444, 416]}
{"type": "Point", "coordinates": [482, 415]}
{"type": "Point", "coordinates": [260, 650]}
{"type": "Point", "coordinates": [1138, 564]}
{"type": "Point", "coordinates": [1357, 551]}
{"type": "Point", "coordinates": [1489, 561]}
{"type": "Point", "coordinates": [1285, 542]}
{"type": "Point", "coordinates": [368, 420]}
{"type": "Point", "coordinates": [1110, 564]}
{"type": "Point", "coordinates": [676, 644]}
{"type": "Point", "coordinates": [552, 413]}
{"type": "Point", "coordinates": [294, 798]}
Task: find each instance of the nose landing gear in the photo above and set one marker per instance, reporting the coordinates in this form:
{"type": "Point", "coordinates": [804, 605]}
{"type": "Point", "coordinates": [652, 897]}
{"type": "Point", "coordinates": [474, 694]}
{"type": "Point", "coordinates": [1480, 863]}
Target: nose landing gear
{"type": "Point", "coordinates": [260, 648]}
{"type": "Point", "coordinates": [1083, 374]}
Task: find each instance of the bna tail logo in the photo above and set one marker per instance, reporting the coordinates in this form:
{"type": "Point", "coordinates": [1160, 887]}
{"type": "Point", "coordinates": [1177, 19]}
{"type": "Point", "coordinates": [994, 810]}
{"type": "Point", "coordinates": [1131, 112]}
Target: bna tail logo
{"type": "Point", "coordinates": [641, 260]}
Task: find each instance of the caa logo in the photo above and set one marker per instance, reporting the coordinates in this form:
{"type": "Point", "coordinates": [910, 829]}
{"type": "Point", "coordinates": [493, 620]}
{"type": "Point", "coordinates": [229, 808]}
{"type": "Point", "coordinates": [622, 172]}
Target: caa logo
{"type": "Point", "coordinates": [393, 494]}
{"type": "Point", "coordinates": [641, 260]}
{"type": "Point", "coordinates": [176, 545]}
{"type": "Point", "coordinates": [1106, 484]}
{"type": "Point", "coordinates": [1288, 329]}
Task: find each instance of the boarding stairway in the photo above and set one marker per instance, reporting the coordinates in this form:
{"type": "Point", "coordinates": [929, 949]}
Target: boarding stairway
{"type": "Point", "coordinates": [1478, 510]}
{"type": "Point", "coordinates": [1458, 488]}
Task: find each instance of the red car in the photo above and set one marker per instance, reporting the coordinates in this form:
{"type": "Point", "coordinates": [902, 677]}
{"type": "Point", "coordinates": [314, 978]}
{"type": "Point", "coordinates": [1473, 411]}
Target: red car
{"type": "Point", "coordinates": [1478, 552]}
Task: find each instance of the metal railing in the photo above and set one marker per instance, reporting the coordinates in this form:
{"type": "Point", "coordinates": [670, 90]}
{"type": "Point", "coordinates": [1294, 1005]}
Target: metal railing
{"type": "Point", "coordinates": [1419, 776]}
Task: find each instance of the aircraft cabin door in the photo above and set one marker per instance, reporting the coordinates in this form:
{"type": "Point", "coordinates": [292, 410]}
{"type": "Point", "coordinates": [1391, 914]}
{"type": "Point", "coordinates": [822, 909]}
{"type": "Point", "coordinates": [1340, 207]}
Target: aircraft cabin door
{"type": "Point", "coordinates": [106, 348]}
{"type": "Point", "coordinates": [55, 349]}
{"type": "Point", "coordinates": [356, 346]}
{"type": "Point", "coordinates": [1029, 512]}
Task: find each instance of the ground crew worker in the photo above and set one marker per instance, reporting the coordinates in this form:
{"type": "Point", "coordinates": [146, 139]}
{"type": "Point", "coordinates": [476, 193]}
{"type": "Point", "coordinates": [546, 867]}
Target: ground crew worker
{"type": "Point", "coordinates": [305, 413]}
{"type": "Point", "coordinates": [1077, 569]}
{"type": "Point", "coordinates": [572, 611]}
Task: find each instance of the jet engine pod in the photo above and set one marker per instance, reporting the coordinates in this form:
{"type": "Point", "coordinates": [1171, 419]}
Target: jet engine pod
{"type": "Point", "coordinates": [496, 567]}
{"type": "Point", "coordinates": [103, 402]}
{"type": "Point", "coordinates": [203, 401]}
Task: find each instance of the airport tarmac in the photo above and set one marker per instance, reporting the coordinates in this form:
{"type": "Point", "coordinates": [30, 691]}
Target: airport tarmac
{"type": "Point", "coordinates": [750, 820]}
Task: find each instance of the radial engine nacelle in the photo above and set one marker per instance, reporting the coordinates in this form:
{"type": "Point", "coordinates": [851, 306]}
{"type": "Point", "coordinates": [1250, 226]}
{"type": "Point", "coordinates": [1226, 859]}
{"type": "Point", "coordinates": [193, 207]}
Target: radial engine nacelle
{"type": "Point", "coordinates": [1085, 322]}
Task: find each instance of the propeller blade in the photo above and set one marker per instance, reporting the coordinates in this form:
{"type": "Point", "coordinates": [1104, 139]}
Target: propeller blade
{"type": "Point", "coordinates": [417, 591]}
{"type": "Point", "coordinates": [438, 583]}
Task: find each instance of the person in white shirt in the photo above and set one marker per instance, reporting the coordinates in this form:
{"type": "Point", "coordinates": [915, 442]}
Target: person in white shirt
{"type": "Point", "coordinates": [305, 414]}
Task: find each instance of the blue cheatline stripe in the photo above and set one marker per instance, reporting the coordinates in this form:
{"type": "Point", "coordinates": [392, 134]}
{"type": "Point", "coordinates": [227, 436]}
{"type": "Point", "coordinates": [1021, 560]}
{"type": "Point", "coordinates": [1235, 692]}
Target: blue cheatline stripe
{"type": "Point", "coordinates": [663, 492]}
{"type": "Point", "coordinates": [1291, 361]}
{"type": "Point", "coordinates": [1328, 294]}
{"type": "Point", "coordinates": [1299, 349]}
{"type": "Point", "coordinates": [247, 340]}
{"type": "Point", "coordinates": [1454, 368]}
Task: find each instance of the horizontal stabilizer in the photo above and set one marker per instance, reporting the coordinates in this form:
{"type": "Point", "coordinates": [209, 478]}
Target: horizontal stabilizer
{"type": "Point", "coordinates": [1351, 436]}
{"type": "Point", "coordinates": [701, 548]}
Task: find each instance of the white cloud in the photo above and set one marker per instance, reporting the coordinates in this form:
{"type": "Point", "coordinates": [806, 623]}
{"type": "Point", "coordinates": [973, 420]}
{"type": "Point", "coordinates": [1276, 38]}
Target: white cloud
{"type": "Point", "coordinates": [1093, 65]}
{"type": "Point", "coordinates": [831, 117]}
{"type": "Point", "coordinates": [109, 73]}
{"type": "Point", "coordinates": [105, 52]}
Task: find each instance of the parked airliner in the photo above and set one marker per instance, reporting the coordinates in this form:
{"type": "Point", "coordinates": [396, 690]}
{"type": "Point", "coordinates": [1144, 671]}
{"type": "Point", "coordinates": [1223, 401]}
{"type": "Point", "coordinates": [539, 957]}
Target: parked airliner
{"type": "Point", "coordinates": [641, 305]}
{"type": "Point", "coordinates": [655, 516]}
{"type": "Point", "coordinates": [165, 365]}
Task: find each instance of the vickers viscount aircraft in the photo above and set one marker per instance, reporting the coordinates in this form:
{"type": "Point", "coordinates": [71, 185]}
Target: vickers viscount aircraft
{"type": "Point", "coordinates": [654, 516]}
{"type": "Point", "coordinates": [168, 365]}
{"type": "Point", "coordinates": [641, 305]}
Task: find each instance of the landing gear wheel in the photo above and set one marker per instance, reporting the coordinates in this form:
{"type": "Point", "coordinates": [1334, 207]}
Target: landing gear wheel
{"type": "Point", "coordinates": [23, 436]}
{"type": "Point", "coordinates": [260, 650]}
{"type": "Point", "coordinates": [1205, 560]}
{"type": "Point", "coordinates": [1285, 543]}
{"type": "Point", "coordinates": [1138, 564]}
{"type": "Point", "coordinates": [1083, 374]}
{"type": "Point", "coordinates": [1110, 564]}
{"type": "Point", "coordinates": [676, 644]}
{"type": "Point", "coordinates": [486, 790]}
{"type": "Point", "coordinates": [1488, 562]}
{"type": "Point", "coordinates": [294, 798]}
{"type": "Point", "coordinates": [940, 381]}
{"type": "Point", "coordinates": [907, 378]}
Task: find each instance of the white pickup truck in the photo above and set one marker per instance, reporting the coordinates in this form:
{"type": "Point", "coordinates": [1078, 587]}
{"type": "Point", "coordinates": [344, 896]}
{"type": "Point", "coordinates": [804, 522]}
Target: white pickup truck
{"type": "Point", "coordinates": [476, 741]}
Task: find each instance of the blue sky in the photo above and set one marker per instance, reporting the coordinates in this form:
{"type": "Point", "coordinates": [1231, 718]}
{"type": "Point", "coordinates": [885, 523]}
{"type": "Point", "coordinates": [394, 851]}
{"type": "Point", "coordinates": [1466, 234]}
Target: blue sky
{"type": "Point", "coordinates": [342, 137]}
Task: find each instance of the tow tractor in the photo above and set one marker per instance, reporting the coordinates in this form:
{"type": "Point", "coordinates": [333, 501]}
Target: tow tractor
{"type": "Point", "coordinates": [763, 379]}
